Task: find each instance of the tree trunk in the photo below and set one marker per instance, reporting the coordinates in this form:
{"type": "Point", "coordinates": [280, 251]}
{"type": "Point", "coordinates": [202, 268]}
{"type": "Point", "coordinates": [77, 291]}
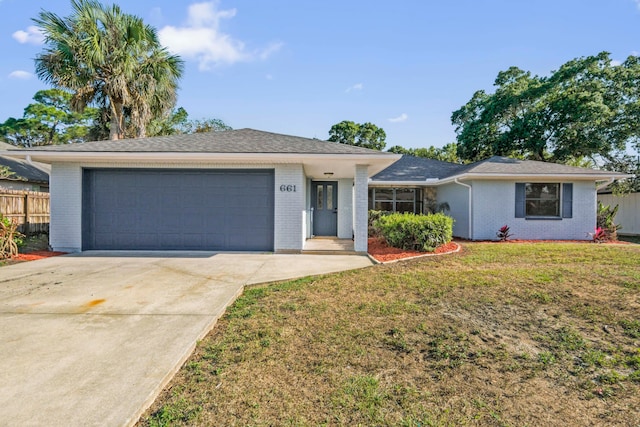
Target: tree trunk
{"type": "Point", "coordinates": [116, 127]}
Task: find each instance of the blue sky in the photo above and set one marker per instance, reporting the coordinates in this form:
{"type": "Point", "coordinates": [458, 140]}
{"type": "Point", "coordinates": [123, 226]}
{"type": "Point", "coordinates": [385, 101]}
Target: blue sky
{"type": "Point", "coordinates": [300, 66]}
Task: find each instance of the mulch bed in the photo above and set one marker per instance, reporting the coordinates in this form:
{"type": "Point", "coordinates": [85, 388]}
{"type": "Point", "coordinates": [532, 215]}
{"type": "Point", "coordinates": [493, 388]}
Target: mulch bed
{"type": "Point", "coordinates": [36, 255]}
{"type": "Point", "coordinates": [382, 252]}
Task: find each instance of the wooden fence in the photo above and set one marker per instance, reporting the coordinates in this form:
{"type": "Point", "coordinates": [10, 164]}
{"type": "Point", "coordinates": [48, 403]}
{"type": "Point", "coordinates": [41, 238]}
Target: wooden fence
{"type": "Point", "coordinates": [30, 209]}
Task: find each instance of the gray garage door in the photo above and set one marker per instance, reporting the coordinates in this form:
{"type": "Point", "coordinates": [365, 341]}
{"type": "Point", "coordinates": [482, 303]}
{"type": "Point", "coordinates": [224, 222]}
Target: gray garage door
{"type": "Point", "coordinates": [178, 209]}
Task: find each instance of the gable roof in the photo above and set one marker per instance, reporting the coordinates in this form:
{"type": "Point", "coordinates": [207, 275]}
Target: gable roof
{"type": "Point", "coordinates": [417, 171]}
{"type": "Point", "coordinates": [24, 171]}
{"type": "Point", "coordinates": [230, 141]}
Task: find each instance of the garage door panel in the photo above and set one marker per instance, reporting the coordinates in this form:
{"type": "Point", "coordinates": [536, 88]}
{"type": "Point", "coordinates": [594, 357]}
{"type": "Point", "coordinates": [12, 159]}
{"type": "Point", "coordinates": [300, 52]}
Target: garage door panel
{"type": "Point", "coordinates": [178, 209]}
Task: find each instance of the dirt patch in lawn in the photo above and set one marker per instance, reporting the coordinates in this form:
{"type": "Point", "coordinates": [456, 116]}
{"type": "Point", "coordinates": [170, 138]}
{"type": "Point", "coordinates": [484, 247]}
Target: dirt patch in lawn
{"type": "Point", "coordinates": [382, 252]}
{"type": "Point", "coordinates": [531, 334]}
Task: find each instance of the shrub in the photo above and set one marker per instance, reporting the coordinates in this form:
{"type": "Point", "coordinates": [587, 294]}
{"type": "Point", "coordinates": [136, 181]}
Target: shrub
{"type": "Point", "coordinates": [415, 232]}
{"type": "Point", "coordinates": [10, 238]}
{"type": "Point", "coordinates": [605, 218]}
{"type": "Point", "coordinates": [504, 233]}
{"type": "Point", "coordinates": [374, 215]}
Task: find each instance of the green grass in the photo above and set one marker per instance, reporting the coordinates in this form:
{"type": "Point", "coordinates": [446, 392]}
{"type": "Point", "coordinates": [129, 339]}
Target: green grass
{"type": "Point", "coordinates": [485, 337]}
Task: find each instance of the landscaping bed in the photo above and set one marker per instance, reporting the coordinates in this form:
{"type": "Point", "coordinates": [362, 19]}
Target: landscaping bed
{"type": "Point", "coordinates": [382, 252]}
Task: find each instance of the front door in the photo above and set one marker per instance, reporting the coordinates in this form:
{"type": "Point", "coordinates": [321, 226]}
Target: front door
{"type": "Point", "coordinates": [324, 201]}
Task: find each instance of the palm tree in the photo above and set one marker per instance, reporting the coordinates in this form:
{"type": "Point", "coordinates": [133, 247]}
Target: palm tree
{"type": "Point", "coordinates": [110, 59]}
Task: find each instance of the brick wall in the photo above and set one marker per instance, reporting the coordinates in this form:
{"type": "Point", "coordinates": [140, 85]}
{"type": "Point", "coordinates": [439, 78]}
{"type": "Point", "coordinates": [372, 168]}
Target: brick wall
{"type": "Point", "coordinates": [345, 208]}
{"type": "Point", "coordinates": [289, 208]}
{"type": "Point", "coordinates": [65, 228]}
{"type": "Point", "coordinates": [360, 213]}
{"type": "Point", "coordinates": [457, 196]}
{"type": "Point", "coordinates": [494, 206]}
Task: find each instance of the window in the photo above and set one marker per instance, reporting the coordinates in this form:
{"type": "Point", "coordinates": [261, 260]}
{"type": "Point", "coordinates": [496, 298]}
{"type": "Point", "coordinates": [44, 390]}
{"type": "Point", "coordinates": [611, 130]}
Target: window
{"type": "Point", "coordinates": [395, 199]}
{"type": "Point", "coordinates": [544, 200]}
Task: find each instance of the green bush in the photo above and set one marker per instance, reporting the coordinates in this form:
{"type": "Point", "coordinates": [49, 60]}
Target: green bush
{"type": "Point", "coordinates": [374, 215]}
{"type": "Point", "coordinates": [415, 232]}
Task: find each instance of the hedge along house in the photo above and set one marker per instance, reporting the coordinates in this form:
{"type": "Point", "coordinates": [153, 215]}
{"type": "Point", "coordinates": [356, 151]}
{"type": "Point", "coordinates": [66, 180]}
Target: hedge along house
{"type": "Point", "coordinates": [238, 190]}
{"type": "Point", "coordinates": [537, 200]}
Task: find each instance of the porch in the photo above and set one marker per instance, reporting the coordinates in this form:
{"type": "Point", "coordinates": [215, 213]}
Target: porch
{"type": "Point", "coordinates": [328, 246]}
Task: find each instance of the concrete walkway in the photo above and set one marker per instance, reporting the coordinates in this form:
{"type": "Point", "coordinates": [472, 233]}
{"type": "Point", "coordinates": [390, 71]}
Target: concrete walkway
{"type": "Point", "coordinates": [91, 339]}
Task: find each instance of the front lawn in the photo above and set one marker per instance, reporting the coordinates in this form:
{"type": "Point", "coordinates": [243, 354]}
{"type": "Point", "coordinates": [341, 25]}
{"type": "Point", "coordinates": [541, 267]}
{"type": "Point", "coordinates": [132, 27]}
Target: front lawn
{"type": "Point", "coordinates": [499, 334]}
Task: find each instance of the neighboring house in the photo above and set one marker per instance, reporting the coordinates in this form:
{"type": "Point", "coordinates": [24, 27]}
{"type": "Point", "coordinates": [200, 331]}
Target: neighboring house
{"type": "Point", "coordinates": [234, 190]}
{"type": "Point", "coordinates": [537, 200]}
{"type": "Point", "coordinates": [30, 176]}
{"type": "Point", "coordinates": [628, 215]}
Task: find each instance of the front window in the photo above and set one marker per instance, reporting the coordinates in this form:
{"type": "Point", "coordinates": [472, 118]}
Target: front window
{"type": "Point", "coordinates": [395, 199]}
{"type": "Point", "coordinates": [542, 199]}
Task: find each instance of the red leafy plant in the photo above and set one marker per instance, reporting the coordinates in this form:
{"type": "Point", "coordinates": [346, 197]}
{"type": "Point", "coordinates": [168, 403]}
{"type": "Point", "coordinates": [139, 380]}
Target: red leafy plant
{"type": "Point", "coordinates": [504, 233]}
{"type": "Point", "coordinates": [599, 235]}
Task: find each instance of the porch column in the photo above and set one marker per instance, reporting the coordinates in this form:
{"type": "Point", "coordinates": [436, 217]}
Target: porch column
{"type": "Point", "coordinates": [360, 206]}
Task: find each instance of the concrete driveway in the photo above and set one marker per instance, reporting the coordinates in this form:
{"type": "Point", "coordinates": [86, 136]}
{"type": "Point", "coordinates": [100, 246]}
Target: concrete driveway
{"type": "Point", "coordinates": [92, 338]}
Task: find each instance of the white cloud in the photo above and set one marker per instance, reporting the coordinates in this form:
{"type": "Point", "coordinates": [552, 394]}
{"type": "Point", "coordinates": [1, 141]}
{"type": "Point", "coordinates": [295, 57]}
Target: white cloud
{"type": "Point", "coordinates": [20, 74]}
{"type": "Point", "coordinates": [201, 38]}
{"type": "Point", "coordinates": [401, 118]}
{"type": "Point", "coordinates": [615, 62]}
{"type": "Point", "coordinates": [32, 35]}
{"type": "Point", "coordinates": [357, 86]}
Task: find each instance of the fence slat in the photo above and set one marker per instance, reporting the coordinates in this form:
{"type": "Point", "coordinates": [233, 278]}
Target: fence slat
{"type": "Point", "coordinates": [30, 209]}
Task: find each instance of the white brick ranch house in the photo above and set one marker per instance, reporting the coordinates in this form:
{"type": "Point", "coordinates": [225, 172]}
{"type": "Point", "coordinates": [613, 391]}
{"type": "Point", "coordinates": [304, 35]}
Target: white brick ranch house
{"type": "Point", "coordinates": [248, 190]}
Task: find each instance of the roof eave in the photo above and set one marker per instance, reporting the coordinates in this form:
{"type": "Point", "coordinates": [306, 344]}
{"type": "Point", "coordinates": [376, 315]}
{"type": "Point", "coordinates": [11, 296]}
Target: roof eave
{"type": "Point", "coordinates": [76, 156]}
{"type": "Point", "coordinates": [388, 183]}
{"type": "Point", "coordinates": [538, 176]}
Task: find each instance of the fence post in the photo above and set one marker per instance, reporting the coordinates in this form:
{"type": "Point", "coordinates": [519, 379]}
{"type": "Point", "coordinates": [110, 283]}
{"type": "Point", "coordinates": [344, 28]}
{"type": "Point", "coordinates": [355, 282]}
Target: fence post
{"type": "Point", "coordinates": [26, 214]}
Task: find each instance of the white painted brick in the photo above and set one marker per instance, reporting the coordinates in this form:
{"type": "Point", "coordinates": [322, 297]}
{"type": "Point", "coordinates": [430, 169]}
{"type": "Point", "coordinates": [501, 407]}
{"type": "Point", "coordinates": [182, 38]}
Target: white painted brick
{"type": "Point", "coordinates": [345, 208]}
{"type": "Point", "coordinates": [494, 206]}
{"type": "Point", "coordinates": [289, 208]}
{"type": "Point", "coordinates": [65, 232]}
{"type": "Point", "coordinates": [457, 196]}
{"type": "Point", "coordinates": [360, 215]}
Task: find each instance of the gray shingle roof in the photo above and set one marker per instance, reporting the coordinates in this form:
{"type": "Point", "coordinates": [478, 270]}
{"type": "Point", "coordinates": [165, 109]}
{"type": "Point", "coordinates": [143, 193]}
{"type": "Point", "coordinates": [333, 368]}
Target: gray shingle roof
{"type": "Point", "coordinates": [35, 172]}
{"type": "Point", "coordinates": [506, 165]}
{"type": "Point", "coordinates": [410, 168]}
{"type": "Point", "coordinates": [232, 141]}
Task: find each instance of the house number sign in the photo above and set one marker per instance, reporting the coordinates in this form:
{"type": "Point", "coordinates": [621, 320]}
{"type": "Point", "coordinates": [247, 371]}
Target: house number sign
{"type": "Point", "coordinates": [288, 188]}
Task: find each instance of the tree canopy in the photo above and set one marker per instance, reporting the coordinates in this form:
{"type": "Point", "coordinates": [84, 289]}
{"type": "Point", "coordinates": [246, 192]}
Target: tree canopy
{"type": "Point", "coordinates": [365, 135]}
{"type": "Point", "coordinates": [109, 59]}
{"type": "Point", "coordinates": [178, 122]}
{"type": "Point", "coordinates": [588, 108]}
{"type": "Point", "coordinates": [49, 120]}
{"type": "Point", "coordinates": [448, 153]}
